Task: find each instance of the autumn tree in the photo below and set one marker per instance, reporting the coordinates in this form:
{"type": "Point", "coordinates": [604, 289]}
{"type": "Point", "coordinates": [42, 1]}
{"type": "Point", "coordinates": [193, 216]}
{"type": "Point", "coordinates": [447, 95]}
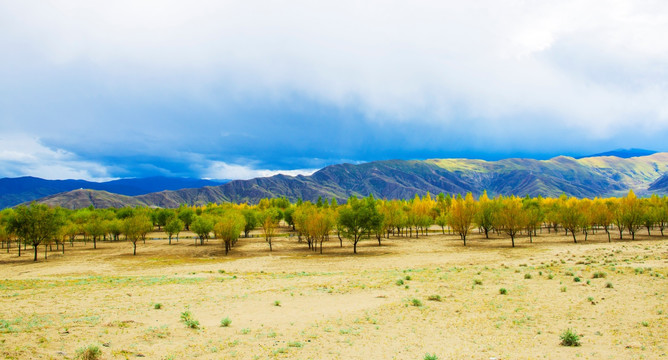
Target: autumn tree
{"type": "Point", "coordinates": [229, 227]}
{"type": "Point", "coordinates": [484, 216]}
{"type": "Point", "coordinates": [571, 216]}
{"type": "Point", "coordinates": [602, 214]}
{"type": "Point", "coordinates": [269, 221]}
{"type": "Point", "coordinates": [462, 212]}
{"type": "Point", "coordinates": [511, 217]}
{"type": "Point", "coordinates": [534, 215]}
{"type": "Point", "coordinates": [632, 213]}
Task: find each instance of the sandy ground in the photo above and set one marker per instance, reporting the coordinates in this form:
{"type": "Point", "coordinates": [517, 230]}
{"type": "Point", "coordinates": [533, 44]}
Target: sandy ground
{"type": "Point", "coordinates": [293, 303]}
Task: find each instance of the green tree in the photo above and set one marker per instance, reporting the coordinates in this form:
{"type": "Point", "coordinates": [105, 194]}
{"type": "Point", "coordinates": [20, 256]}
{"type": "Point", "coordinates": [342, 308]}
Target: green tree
{"type": "Point", "coordinates": [202, 226]}
{"type": "Point", "coordinates": [174, 227]}
{"type": "Point", "coordinates": [35, 224]}
{"type": "Point", "coordinates": [187, 215]}
{"type": "Point", "coordinates": [134, 226]}
{"type": "Point", "coordinates": [358, 217]}
{"type": "Point", "coordinates": [252, 221]}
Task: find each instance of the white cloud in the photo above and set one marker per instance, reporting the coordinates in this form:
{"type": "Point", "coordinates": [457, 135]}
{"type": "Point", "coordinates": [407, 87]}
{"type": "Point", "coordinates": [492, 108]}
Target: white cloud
{"type": "Point", "coordinates": [222, 170]}
{"type": "Point", "coordinates": [22, 155]}
{"type": "Point", "coordinates": [595, 65]}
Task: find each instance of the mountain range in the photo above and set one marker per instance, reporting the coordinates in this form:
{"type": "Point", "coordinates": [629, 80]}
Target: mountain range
{"type": "Point", "coordinates": [14, 191]}
{"type": "Point", "coordinates": [585, 177]}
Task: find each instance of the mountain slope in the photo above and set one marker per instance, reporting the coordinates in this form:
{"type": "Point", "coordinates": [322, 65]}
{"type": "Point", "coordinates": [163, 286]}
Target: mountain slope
{"type": "Point", "coordinates": [587, 177]}
{"type": "Point", "coordinates": [14, 191]}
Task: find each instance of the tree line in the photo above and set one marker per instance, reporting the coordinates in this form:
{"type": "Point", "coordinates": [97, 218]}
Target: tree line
{"type": "Point", "coordinates": [314, 223]}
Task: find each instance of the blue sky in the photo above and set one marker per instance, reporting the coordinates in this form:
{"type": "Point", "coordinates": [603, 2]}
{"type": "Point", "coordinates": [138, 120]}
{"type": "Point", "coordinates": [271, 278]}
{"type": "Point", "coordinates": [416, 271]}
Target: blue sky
{"type": "Point", "coordinates": [229, 89]}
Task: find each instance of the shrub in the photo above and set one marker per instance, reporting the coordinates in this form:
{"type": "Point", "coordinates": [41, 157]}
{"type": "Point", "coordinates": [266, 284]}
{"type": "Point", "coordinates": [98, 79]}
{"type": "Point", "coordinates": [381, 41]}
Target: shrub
{"type": "Point", "coordinates": [608, 285]}
{"type": "Point", "coordinates": [527, 276]}
{"type": "Point", "coordinates": [434, 298]}
{"type": "Point", "coordinates": [225, 322]}
{"type": "Point", "coordinates": [577, 279]}
{"type": "Point", "coordinates": [429, 356]}
{"type": "Point", "coordinates": [599, 275]}
{"type": "Point", "coordinates": [550, 276]}
{"type": "Point", "coordinates": [503, 291]}
{"type": "Point", "coordinates": [569, 338]}
{"type": "Point", "coordinates": [416, 302]}
{"type": "Point", "coordinates": [90, 352]}
{"type": "Point", "coordinates": [157, 306]}
{"type": "Point", "coordinates": [408, 277]}
{"type": "Point", "coordinates": [477, 282]}
{"type": "Point", "coordinates": [400, 282]}
{"type": "Point", "coordinates": [295, 344]}
{"type": "Point", "coordinates": [277, 303]}
{"type": "Point", "coordinates": [563, 289]}
{"type": "Point", "coordinates": [187, 319]}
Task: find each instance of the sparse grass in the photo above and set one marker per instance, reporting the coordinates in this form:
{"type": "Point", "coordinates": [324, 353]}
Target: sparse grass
{"type": "Point", "coordinates": [90, 352]}
{"type": "Point", "coordinates": [186, 318]}
{"type": "Point", "coordinates": [295, 344]}
{"type": "Point", "coordinates": [157, 306]}
{"type": "Point", "coordinates": [599, 275]}
{"type": "Point", "coordinates": [527, 276]}
{"type": "Point", "coordinates": [416, 302]}
{"type": "Point", "coordinates": [429, 356]}
{"type": "Point", "coordinates": [225, 322]}
{"type": "Point", "coordinates": [400, 282]}
{"type": "Point", "coordinates": [563, 289]}
{"type": "Point", "coordinates": [277, 303]}
{"type": "Point", "coordinates": [609, 285]}
{"type": "Point", "coordinates": [503, 291]}
{"type": "Point", "coordinates": [569, 338]}
{"type": "Point", "coordinates": [477, 282]}
{"type": "Point", "coordinates": [644, 323]}
{"type": "Point", "coordinates": [245, 331]}
{"type": "Point", "coordinates": [434, 298]}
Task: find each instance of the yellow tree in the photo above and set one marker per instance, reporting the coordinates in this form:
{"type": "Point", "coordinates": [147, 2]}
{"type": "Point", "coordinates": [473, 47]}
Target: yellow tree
{"type": "Point", "coordinates": [484, 217]}
{"type": "Point", "coordinates": [462, 212]}
{"type": "Point", "coordinates": [602, 215]}
{"type": "Point", "coordinates": [571, 216]}
{"type": "Point", "coordinates": [269, 221]}
{"type": "Point", "coordinates": [632, 213]}
{"type": "Point", "coordinates": [229, 227]}
{"type": "Point", "coordinates": [511, 217]}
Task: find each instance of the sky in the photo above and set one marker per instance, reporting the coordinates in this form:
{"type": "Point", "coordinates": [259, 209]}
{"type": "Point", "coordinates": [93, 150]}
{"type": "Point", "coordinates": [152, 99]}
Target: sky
{"type": "Point", "coordinates": [100, 90]}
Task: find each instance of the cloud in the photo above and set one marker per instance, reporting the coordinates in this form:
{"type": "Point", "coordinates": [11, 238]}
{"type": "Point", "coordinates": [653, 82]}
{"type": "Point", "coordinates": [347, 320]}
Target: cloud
{"type": "Point", "coordinates": [21, 155]}
{"type": "Point", "coordinates": [224, 171]}
{"type": "Point", "coordinates": [593, 64]}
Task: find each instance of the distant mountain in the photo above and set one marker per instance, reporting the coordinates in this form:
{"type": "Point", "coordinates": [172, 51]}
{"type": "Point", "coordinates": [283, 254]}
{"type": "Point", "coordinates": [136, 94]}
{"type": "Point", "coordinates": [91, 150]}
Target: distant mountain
{"type": "Point", "coordinates": [587, 177]}
{"type": "Point", "coordinates": [660, 185]}
{"type": "Point", "coordinates": [623, 153]}
{"type": "Point", "coordinates": [14, 191]}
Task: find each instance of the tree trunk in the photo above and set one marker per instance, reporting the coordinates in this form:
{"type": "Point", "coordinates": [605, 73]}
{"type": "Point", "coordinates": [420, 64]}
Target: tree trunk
{"type": "Point", "coordinates": [35, 247]}
{"type": "Point", "coordinates": [464, 238]}
{"type": "Point", "coordinates": [573, 233]}
{"type": "Point", "coordinates": [512, 240]}
{"type": "Point", "coordinates": [134, 250]}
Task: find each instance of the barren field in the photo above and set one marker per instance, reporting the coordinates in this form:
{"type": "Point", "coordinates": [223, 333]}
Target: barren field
{"type": "Point", "coordinates": [400, 300]}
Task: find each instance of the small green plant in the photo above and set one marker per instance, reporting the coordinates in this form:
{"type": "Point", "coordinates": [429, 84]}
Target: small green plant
{"type": "Point", "coordinates": [599, 275]}
{"type": "Point", "coordinates": [220, 271]}
{"type": "Point", "coordinates": [245, 331]}
{"type": "Point", "coordinates": [644, 323]}
{"type": "Point", "coordinates": [187, 319]}
{"type": "Point", "coordinates": [400, 282]}
{"type": "Point", "coordinates": [277, 303]}
{"type": "Point", "coordinates": [225, 322]}
{"type": "Point", "coordinates": [416, 302]}
{"type": "Point", "coordinates": [295, 344]}
{"type": "Point", "coordinates": [639, 271]}
{"type": "Point", "coordinates": [90, 352]}
{"type": "Point", "coordinates": [527, 276]}
{"type": "Point", "coordinates": [569, 338]}
{"type": "Point", "coordinates": [550, 276]}
{"type": "Point", "coordinates": [563, 289]}
{"type": "Point", "coordinates": [429, 356]}
{"type": "Point", "coordinates": [408, 277]}
{"type": "Point", "coordinates": [434, 298]}
{"type": "Point", "coordinates": [577, 279]}
{"type": "Point", "coordinates": [503, 291]}
{"type": "Point", "coordinates": [477, 282]}
{"type": "Point", "coordinates": [157, 306]}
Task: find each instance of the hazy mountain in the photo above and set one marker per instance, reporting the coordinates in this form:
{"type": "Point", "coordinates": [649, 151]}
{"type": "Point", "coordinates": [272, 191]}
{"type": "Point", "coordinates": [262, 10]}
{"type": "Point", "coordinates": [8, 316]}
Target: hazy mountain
{"type": "Point", "coordinates": [587, 177]}
{"type": "Point", "coordinates": [623, 153]}
{"type": "Point", "coordinates": [14, 191]}
{"type": "Point", "coordinates": [660, 185]}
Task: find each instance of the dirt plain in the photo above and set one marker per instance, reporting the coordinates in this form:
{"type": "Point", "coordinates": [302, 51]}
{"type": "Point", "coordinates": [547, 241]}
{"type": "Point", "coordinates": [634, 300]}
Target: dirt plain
{"type": "Point", "coordinates": [297, 304]}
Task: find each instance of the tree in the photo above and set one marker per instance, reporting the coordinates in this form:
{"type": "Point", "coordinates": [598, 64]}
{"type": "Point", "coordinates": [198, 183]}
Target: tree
{"type": "Point", "coordinates": [187, 215]}
{"type": "Point", "coordinates": [511, 217]}
{"type": "Point", "coordinates": [602, 214]}
{"type": "Point", "coordinates": [162, 216]}
{"type": "Point", "coordinates": [229, 227]}
{"type": "Point", "coordinates": [35, 224]}
{"type": "Point", "coordinates": [269, 220]}
{"type": "Point", "coordinates": [534, 213]}
{"type": "Point", "coordinates": [484, 217]}
{"type": "Point", "coordinates": [252, 220]}
{"type": "Point", "coordinates": [571, 216]}
{"type": "Point", "coordinates": [95, 227]}
{"type": "Point", "coordinates": [632, 213]}
{"type": "Point", "coordinates": [133, 227]}
{"type": "Point", "coordinates": [358, 217]}
{"type": "Point", "coordinates": [462, 212]}
{"type": "Point", "coordinates": [202, 226]}
{"type": "Point", "coordinates": [174, 227]}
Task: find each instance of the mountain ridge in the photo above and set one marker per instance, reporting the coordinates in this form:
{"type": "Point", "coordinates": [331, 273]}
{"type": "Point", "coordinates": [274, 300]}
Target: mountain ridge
{"type": "Point", "coordinates": [586, 177]}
